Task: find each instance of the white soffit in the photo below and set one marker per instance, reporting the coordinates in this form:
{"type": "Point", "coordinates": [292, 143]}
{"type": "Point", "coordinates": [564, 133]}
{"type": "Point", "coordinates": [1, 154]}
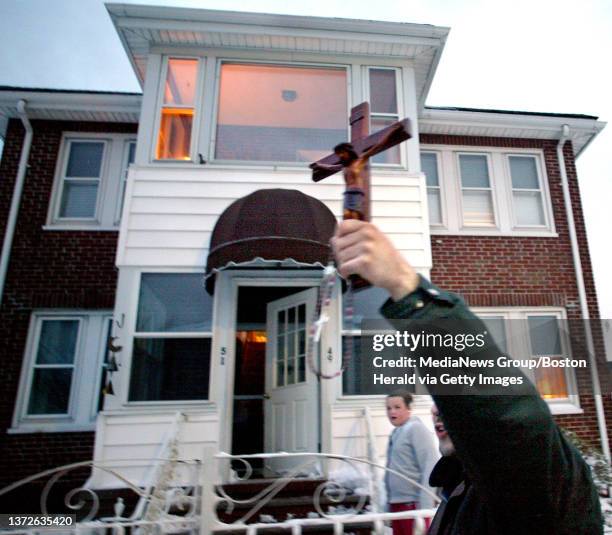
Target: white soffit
{"type": "Point", "coordinates": [60, 105]}
{"type": "Point", "coordinates": [142, 27]}
{"type": "Point", "coordinates": [510, 124]}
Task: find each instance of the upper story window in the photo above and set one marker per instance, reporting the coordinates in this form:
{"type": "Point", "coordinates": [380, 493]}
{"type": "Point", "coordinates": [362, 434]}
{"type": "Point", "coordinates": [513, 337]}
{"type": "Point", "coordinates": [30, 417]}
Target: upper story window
{"type": "Point", "coordinates": [90, 180]}
{"type": "Point", "coordinates": [66, 354]}
{"type": "Point", "coordinates": [492, 191]}
{"type": "Point", "coordinates": [174, 139]}
{"type": "Point", "coordinates": [278, 113]}
{"type": "Point", "coordinates": [172, 341]}
{"type": "Point", "coordinates": [527, 195]}
{"type": "Point", "coordinates": [384, 108]}
{"type": "Point", "coordinates": [476, 192]}
{"type": "Point", "coordinates": [429, 165]}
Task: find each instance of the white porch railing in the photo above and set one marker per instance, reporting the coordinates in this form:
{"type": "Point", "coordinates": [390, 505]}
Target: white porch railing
{"type": "Point", "coordinates": [187, 496]}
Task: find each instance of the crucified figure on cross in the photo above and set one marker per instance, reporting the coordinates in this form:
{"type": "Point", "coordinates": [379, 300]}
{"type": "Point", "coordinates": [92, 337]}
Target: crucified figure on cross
{"type": "Point", "coordinates": [352, 158]}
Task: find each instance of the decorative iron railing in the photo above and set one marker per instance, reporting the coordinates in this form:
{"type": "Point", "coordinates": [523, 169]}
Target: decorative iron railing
{"type": "Point", "coordinates": [188, 497]}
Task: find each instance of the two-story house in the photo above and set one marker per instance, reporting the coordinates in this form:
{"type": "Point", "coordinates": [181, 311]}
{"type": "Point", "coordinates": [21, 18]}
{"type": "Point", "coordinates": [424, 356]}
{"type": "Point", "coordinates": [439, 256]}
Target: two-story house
{"type": "Point", "coordinates": [163, 252]}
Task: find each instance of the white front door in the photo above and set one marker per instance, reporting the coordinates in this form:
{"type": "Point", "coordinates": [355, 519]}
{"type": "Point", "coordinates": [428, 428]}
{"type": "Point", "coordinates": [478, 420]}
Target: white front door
{"type": "Point", "coordinates": [291, 408]}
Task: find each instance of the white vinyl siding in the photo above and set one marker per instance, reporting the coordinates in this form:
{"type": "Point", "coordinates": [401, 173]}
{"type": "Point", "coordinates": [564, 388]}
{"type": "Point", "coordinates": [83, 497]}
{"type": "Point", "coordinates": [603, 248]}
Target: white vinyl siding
{"type": "Point", "coordinates": [172, 210]}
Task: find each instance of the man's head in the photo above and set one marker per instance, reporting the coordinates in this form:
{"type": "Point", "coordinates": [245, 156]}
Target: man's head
{"type": "Point", "coordinates": [446, 444]}
{"type": "Point", "coordinates": [346, 153]}
{"type": "Point", "coordinates": [398, 407]}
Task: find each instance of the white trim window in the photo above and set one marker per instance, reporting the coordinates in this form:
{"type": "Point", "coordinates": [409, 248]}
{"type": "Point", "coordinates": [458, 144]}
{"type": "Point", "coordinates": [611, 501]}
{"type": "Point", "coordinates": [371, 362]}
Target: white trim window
{"type": "Point", "coordinates": [430, 166]}
{"type": "Point", "coordinates": [65, 354]}
{"type": "Point", "coordinates": [172, 339]}
{"type": "Point", "coordinates": [527, 196]}
{"type": "Point", "coordinates": [178, 102]}
{"type": "Point", "coordinates": [383, 91]}
{"type": "Point", "coordinates": [476, 192]}
{"type": "Point", "coordinates": [534, 332]}
{"type": "Point", "coordinates": [487, 191]}
{"type": "Point", "coordinates": [90, 177]}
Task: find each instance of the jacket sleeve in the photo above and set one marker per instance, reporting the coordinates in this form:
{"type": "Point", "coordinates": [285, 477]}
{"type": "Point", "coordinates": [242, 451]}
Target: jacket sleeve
{"type": "Point", "coordinates": [510, 446]}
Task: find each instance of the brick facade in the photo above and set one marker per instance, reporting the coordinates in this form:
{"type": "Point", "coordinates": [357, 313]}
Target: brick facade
{"type": "Point", "coordinates": [526, 271]}
{"type": "Point", "coordinates": [48, 269]}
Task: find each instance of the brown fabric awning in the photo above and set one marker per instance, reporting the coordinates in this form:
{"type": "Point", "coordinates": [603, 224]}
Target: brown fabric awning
{"type": "Point", "coordinates": [272, 224]}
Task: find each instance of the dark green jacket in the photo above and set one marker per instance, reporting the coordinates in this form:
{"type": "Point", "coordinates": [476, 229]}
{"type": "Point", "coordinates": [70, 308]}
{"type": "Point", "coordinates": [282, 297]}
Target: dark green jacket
{"type": "Point", "coordinates": [522, 475]}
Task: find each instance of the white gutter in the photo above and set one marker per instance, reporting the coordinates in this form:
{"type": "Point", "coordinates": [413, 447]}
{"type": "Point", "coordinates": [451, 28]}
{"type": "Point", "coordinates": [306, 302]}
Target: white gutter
{"type": "Point", "coordinates": [14, 211]}
{"type": "Point", "coordinates": [584, 309]}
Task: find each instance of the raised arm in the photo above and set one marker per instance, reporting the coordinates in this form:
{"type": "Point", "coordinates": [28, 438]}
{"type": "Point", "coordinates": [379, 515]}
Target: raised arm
{"type": "Point", "coordinates": [510, 447]}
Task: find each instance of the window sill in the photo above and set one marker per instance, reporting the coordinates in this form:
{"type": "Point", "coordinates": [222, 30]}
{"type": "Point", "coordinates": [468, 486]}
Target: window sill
{"type": "Point", "coordinates": [561, 408]}
{"type": "Point", "coordinates": [51, 428]}
{"type": "Point", "coordinates": [496, 233]}
{"type": "Point", "coordinates": [256, 166]}
{"type": "Point", "coordinates": [90, 228]}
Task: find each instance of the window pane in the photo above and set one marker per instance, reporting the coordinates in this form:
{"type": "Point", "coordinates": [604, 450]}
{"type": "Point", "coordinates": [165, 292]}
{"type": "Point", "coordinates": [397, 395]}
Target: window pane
{"type": "Point", "coordinates": [524, 172]}
{"type": "Point", "coordinates": [528, 207]}
{"type": "Point", "coordinates": [131, 152]}
{"type": "Point", "coordinates": [544, 335]}
{"type": "Point", "coordinates": [551, 382]}
{"type": "Point", "coordinates": [274, 113]}
{"type": "Point", "coordinates": [79, 199]}
{"type": "Point", "coordinates": [170, 369]}
{"type": "Point", "coordinates": [391, 155]}
{"type": "Point", "coordinates": [366, 304]}
{"type": "Point", "coordinates": [478, 209]}
{"type": "Point", "coordinates": [173, 302]}
{"type": "Point", "coordinates": [50, 391]}
{"type": "Point", "coordinates": [175, 134]}
{"type": "Point", "coordinates": [474, 171]}
{"type": "Point", "coordinates": [85, 160]}
{"type": "Point", "coordinates": [57, 344]}
{"type": "Point", "coordinates": [383, 96]}
{"type": "Point", "coordinates": [181, 82]}
{"type": "Point", "coordinates": [433, 203]}
{"type": "Point", "coordinates": [497, 330]}
{"type": "Point", "coordinates": [429, 166]}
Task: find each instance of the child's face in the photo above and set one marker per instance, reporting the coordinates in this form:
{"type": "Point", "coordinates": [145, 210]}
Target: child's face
{"type": "Point", "coordinates": [397, 412]}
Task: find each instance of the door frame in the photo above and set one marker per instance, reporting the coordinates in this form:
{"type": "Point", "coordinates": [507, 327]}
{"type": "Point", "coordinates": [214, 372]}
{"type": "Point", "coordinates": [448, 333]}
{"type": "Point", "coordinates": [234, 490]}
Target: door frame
{"type": "Point", "coordinates": [223, 350]}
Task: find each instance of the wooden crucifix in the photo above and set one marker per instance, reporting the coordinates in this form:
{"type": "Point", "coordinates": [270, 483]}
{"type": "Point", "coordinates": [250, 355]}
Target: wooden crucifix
{"type": "Point", "coordinates": [353, 158]}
